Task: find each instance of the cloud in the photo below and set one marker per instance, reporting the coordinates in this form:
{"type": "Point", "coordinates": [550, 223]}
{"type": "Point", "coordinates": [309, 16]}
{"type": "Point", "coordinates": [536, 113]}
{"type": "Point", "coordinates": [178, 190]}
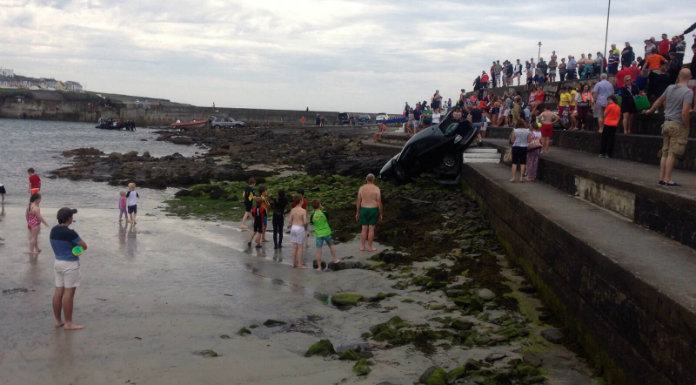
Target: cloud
{"type": "Point", "coordinates": [328, 54]}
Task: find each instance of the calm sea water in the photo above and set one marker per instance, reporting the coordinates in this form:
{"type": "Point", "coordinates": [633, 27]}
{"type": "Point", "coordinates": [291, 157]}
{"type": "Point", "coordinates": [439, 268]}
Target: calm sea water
{"type": "Point", "coordinates": [39, 144]}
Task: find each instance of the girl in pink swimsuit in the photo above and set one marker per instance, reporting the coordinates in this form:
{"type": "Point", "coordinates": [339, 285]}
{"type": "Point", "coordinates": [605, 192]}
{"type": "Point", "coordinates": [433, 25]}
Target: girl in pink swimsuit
{"type": "Point", "coordinates": [34, 221]}
{"type": "Point", "coordinates": [122, 206]}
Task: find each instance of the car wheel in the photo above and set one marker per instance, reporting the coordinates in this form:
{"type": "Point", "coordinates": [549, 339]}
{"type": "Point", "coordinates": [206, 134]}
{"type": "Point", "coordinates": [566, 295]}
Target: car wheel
{"type": "Point", "coordinates": [400, 172]}
{"type": "Point", "coordinates": [451, 163]}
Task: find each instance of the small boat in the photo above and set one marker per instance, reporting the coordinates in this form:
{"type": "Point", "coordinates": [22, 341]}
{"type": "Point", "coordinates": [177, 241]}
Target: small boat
{"type": "Point", "coordinates": [193, 123]}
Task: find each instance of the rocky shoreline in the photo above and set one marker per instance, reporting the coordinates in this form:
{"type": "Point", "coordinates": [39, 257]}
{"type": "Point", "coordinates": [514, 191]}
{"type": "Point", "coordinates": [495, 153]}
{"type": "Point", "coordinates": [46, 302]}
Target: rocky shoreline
{"type": "Point", "coordinates": [450, 300]}
{"type": "Point", "coordinates": [231, 156]}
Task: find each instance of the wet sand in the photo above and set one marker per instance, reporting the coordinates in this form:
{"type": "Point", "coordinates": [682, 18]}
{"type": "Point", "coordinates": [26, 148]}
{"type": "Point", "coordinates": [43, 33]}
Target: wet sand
{"type": "Point", "coordinates": [152, 296]}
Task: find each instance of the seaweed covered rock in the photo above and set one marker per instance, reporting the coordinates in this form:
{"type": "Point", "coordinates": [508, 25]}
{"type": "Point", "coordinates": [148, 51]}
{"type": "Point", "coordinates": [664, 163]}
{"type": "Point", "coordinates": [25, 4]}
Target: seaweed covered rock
{"type": "Point", "coordinates": [346, 300]}
{"type": "Point", "coordinates": [434, 376]}
{"type": "Point", "coordinates": [322, 348]}
{"type": "Point", "coordinates": [362, 367]}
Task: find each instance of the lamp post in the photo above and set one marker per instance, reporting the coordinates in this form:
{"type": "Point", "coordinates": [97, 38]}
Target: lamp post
{"type": "Point", "coordinates": [606, 37]}
{"type": "Point", "coordinates": [539, 53]}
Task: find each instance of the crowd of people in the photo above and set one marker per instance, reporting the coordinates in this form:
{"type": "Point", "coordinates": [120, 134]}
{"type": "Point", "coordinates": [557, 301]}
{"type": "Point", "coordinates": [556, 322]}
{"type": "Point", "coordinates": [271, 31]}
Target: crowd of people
{"type": "Point", "coordinates": [368, 212]}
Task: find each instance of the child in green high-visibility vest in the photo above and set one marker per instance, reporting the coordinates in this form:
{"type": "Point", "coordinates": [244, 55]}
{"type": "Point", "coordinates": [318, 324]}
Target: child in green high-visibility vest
{"type": "Point", "coordinates": [323, 232]}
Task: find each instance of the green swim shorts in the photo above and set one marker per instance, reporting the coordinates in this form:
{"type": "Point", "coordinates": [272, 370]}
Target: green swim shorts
{"type": "Point", "coordinates": [369, 216]}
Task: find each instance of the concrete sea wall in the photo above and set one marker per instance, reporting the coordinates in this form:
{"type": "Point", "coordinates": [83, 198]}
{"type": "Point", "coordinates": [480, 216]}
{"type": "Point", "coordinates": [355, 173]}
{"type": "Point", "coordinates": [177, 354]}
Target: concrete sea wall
{"type": "Point", "coordinates": [54, 105]}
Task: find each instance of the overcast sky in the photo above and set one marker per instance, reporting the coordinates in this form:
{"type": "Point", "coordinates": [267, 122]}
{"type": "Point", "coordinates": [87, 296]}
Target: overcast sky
{"type": "Point", "coordinates": [326, 54]}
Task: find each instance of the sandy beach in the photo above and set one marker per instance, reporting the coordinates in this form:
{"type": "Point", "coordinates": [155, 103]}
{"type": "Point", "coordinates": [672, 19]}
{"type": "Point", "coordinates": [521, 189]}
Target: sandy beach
{"type": "Point", "coordinates": [156, 296]}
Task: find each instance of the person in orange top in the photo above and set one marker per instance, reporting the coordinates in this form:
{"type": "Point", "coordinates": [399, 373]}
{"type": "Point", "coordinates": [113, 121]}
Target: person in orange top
{"type": "Point", "coordinates": [612, 114]}
{"type": "Point", "coordinates": [654, 61]}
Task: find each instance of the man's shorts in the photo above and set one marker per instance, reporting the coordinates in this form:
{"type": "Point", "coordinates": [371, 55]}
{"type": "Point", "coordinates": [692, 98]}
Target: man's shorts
{"type": "Point", "coordinates": [369, 216]}
{"type": "Point", "coordinates": [67, 273]}
{"type": "Point", "coordinates": [133, 209]}
{"type": "Point", "coordinates": [598, 111]}
{"type": "Point", "coordinates": [674, 138]}
{"type": "Point", "coordinates": [297, 234]}
{"type": "Point", "coordinates": [247, 207]}
{"type": "Point", "coordinates": [321, 240]}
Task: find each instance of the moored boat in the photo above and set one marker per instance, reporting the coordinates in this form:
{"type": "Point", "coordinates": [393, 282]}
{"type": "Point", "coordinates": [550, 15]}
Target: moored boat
{"type": "Point", "coordinates": [193, 123]}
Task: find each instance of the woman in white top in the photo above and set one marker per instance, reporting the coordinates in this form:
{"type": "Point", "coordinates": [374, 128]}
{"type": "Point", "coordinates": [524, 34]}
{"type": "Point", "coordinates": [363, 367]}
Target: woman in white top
{"type": "Point", "coordinates": [436, 116]}
{"type": "Point", "coordinates": [520, 139]}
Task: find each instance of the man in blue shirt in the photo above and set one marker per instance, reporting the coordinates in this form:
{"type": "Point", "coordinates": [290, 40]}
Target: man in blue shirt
{"type": "Point", "coordinates": [67, 268]}
{"type": "Point", "coordinates": [601, 91]}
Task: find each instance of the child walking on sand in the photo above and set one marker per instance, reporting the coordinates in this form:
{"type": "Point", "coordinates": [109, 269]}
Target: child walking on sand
{"type": "Point", "coordinates": [279, 205]}
{"type": "Point", "coordinates": [320, 220]}
{"type": "Point", "coordinates": [122, 206]}
{"type": "Point", "coordinates": [259, 215]}
{"type": "Point", "coordinates": [132, 202]}
{"type": "Point", "coordinates": [266, 206]}
{"type": "Point", "coordinates": [298, 222]}
{"type": "Point", "coordinates": [34, 221]}
{"type": "Point", "coordinates": [248, 199]}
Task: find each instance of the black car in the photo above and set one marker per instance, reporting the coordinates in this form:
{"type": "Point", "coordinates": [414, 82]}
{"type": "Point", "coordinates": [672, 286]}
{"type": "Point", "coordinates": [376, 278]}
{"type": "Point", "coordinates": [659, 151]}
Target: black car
{"type": "Point", "coordinates": [437, 148]}
{"type": "Point", "coordinates": [342, 119]}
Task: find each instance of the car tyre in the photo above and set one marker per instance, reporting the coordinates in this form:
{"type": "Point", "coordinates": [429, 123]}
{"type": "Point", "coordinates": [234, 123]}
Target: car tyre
{"type": "Point", "coordinates": [400, 173]}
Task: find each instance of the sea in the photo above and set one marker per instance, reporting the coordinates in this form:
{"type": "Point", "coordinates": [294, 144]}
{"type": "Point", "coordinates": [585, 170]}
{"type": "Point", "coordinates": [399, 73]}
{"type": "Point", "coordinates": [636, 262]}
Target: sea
{"type": "Point", "coordinates": [39, 144]}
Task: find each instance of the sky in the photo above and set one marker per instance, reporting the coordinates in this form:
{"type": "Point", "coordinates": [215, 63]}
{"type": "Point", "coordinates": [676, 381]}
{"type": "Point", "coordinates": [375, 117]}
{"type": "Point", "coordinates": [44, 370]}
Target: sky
{"type": "Point", "coordinates": [358, 56]}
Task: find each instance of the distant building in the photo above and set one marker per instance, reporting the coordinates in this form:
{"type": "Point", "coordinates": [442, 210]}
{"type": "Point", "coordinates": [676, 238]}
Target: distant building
{"type": "Point", "coordinates": [7, 72]}
{"type": "Point", "coordinates": [72, 86]}
{"type": "Point", "coordinates": [48, 84]}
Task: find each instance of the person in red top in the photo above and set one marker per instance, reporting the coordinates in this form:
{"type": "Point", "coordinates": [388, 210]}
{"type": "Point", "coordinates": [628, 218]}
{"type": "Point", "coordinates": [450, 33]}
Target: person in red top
{"type": "Point", "coordinates": [663, 46]}
{"type": "Point", "coordinates": [34, 182]}
{"type": "Point", "coordinates": [611, 120]}
{"type": "Point", "coordinates": [538, 99]}
{"type": "Point", "coordinates": [484, 80]}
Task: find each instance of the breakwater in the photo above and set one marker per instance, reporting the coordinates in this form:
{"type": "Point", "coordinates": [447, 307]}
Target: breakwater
{"type": "Point", "coordinates": [89, 107]}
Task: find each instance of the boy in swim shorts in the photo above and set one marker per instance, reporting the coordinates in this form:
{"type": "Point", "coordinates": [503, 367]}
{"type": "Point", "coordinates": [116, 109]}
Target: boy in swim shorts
{"type": "Point", "coordinates": [259, 215]}
{"type": "Point", "coordinates": [298, 223]}
{"type": "Point", "coordinates": [34, 182]}
{"type": "Point", "coordinates": [320, 220]}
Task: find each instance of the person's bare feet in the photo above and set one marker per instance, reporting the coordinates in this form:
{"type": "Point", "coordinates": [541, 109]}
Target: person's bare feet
{"type": "Point", "coordinates": [512, 181]}
{"type": "Point", "coordinates": [336, 260]}
{"type": "Point", "coordinates": [372, 249]}
{"type": "Point", "coordinates": [59, 324]}
{"type": "Point", "coordinates": [244, 227]}
{"type": "Point", "coordinates": [318, 269]}
{"type": "Point", "coordinates": [72, 326]}
{"type": "Point", "coordinates": [302, 267]}
{"type": "Point", "coordinates": [362, 248]}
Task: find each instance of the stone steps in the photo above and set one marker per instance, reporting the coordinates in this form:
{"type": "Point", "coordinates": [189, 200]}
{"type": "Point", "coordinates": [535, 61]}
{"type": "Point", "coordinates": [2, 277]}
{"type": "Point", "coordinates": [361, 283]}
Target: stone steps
{"type": "Point", "coordinates": [637, 148]}
{"type": "Point", "coordinates": [625, 293]}
{"type": "Point", "coordinates": [481, 155]}
{"type": "Point", "coordinates": [627, 188]}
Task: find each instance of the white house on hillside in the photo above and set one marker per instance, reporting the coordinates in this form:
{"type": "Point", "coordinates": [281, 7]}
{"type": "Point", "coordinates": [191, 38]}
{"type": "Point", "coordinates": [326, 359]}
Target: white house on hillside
{"type": "Point", "coordinates": [72, 86]}
{"type": "Point", "coordinates": [7, 72]}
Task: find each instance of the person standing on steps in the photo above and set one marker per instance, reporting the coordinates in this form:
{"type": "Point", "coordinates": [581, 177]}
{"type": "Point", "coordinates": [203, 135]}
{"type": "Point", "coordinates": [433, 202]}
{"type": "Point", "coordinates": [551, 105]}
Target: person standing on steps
{"type": "Point", "coordinates": [612, 114]}
{"type": "Point", "coordinates": [601, 91]}
{"type": "Point", "coordinates": [368, 211]}
{"type": "Point", "coordinates": [677, 100]}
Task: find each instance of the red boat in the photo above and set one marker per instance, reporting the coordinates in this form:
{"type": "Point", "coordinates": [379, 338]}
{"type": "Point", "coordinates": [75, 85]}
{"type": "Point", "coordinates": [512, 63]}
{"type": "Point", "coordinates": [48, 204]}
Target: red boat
{"type": "Point", "coordinates": [193, 123]}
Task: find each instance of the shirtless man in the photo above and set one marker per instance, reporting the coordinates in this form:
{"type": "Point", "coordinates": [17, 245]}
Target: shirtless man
{"type": "Point", "coordinates": [547, 119]}
{"type": "Point", "coordinates": [297, 225]}
{"type": "Point", "coordinates": [368, 210]}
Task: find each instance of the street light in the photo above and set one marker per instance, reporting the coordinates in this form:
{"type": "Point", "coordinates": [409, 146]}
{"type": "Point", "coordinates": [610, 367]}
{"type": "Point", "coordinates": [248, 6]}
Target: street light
{"type": "Point", "coordinates": [606, 37]}
{"type": "Point", "coordinates": [539, 53]}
